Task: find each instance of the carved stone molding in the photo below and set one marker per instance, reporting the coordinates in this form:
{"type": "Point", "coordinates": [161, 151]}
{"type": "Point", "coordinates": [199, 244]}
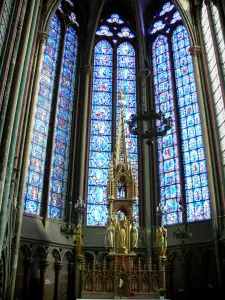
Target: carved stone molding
{"type": "Point", "coordinates": [42, 36]}
{"type": "Point", "coordinates": [58, 265]}
{"type": "Point", "coordinates": [143, 73]}
{"type": "Point", "coordinates": [195, 50]}
{"type": "Point", "coordinates": [43, 265]}
{"type": "Point", "coordinates": [87, 69]}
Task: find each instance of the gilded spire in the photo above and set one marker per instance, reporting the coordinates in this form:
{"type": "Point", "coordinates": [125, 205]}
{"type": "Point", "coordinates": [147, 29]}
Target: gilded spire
{"type": "Point", "coordinates": [121, 150]}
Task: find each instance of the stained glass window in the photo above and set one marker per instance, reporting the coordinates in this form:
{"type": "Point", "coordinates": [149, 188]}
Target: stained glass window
{"type": "Point", "coordinates": [104, 30]}
{"type": "Point", "coordinates": [60, 160]}
{"type": "Point", "coordinates": [125, 32]}
{"type": "Point", "coordinates": [104, 106]}
{"type": "Point", "coordinates": [181, 155]}
{"type": "Point", "coordinates": [101, 130]}
{"type": "Point", "coordinates": [166, 8]}
{"type": "Point", "coordinates": [126, 81]}
{"type": "Point", "coordinates": [213, 68]}
{"type": "Point", "coordinates": [33, 194]}
{"type": "Point", "coordinates": [194, 163]}
{"type": "Point", "coordinates": [115, 19]}
{"type": "Point", "coordinates": [50, 78]}
{"type": "Point", "coordinates": [167, 146]}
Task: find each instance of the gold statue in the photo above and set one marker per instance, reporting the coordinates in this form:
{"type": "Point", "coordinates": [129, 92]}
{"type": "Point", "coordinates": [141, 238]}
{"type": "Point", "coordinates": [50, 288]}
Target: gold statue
{"type": "Point", "coordinates": [110, 232]}
{"type": "Point", "coordinates": [161, 236]}
{"type": "Point", "coordinates": [122, 234]}
{"type": "Point", "coordinates": [79, 241]}
{"type": "Point", "coordinates": [134, 236]}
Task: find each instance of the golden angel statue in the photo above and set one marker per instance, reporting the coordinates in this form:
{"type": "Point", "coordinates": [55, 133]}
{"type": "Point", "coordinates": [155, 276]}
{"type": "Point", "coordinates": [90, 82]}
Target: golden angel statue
{"type": "Point", "coordinates": [134, 236]}
{"type": "Point", "coordinates": [122, 232]}
{"type": "Point", "coordinates": [110, 232]}
{"type": "Point", "coordinates": [161, 236]}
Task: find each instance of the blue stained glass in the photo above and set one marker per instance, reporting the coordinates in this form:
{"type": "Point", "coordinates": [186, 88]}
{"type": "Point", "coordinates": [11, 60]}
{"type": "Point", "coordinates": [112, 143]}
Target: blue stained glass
{"type": "Point", "coordinates": [104, 30]}
{"type": "Point", "coordinates": [166, 8]}
{"type": "Point", "coordinates": [100, 135]}
{"type": "Point", "coordinates": [62, 134]}
{"type": "Point", "coordinates": [194, 157]}
{"type": "Point", "coordinates": [125, 33]}
{"type": "Point", "coordinates": [115, 19]}
{"type": "Point", "coordinates": [167, 146]}
{"type": "Point", "coordinates": [34, 184]}
{"type": "Point", "coordinates": [156, 27]}
{"type": "Point", "coordinates": [97, 214]}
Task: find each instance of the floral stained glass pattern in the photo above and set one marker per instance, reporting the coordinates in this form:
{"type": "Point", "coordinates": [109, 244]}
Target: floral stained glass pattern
{"type": "Point", "coordinates": [100, 137]}
{"type": "Point", "coordinates": [126, 81]}
{"type": "Point", "coordinates": [33, 194]}
{"type": "Point", "coordinates": [125, 32]}
{"type": "Point", "coordinates": [104, 30]}
{"type": "Point", "coordinates": [157, 26]}
{"type": "Point", "coordinates": [167, 7]}
{"type": "Point", "coordinates": [169, 179]}
{"type": "Point", "coordinates": [176, 17]}
{"type": "Point", "coordinates": [115, 19]}
{"type": "Point", "coordinates": [194, 163]}
{"type": "Point", "coordinates": [214, 74]}
{"type": "Point", "coordinates": [62, 136]}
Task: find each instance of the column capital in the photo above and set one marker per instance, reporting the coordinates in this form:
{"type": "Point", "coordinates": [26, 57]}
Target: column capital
{"type": "Point", "coordinates": [43, 265]}
{"type": "Point", "coordinates": [42, 36]}
{"type": "Point", "coordinates": [143, 73]}
{"type": "Point", "coordinates": [58, 265]}
{"type": "Point", "coordinates": [195, 50]}
{"type": "Point", "coordinates": [87, 69]}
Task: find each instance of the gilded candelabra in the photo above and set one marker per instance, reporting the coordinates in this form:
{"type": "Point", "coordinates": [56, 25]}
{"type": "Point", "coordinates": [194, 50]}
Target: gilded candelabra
{"type": "Point", "coordinates": [73, 227]}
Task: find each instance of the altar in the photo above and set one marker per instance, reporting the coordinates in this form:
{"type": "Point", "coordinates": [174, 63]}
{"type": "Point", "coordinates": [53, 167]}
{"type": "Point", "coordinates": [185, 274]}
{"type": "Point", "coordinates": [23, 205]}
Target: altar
{"type": "Point", "coordinates": [121, 270]}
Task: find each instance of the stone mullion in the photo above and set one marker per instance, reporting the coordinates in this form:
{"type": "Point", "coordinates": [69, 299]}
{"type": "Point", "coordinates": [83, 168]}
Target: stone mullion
{"type": "Point", "coordinates": [26, 282]}
{"type": "Point", "coordinates": [43, 267]}
{"type": "Point", "coordinates": [58, 267]}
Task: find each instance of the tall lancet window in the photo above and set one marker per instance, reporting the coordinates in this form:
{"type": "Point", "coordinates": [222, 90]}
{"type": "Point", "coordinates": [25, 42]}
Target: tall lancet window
{"type": "Point", "coordinates": [114, 75]}
{"type": "Point", "coordinates": [214, 41]}
{"type": "Point", "coordinates": [47, 180]}
{"type": "Point", "coordinates": [181, 155]}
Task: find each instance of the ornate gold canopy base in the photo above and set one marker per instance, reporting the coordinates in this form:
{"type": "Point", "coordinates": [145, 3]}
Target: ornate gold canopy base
{"type": "Point", "coordinates": [101, 280]}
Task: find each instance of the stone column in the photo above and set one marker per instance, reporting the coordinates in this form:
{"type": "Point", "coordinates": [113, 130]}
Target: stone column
{"type": "Point", "coordinates": [26, 282]}
{"type": "Point", "coordinates": [58, 267]}
{"type": "Point", "coordinates": [87, 70]}
{"type": "Point", "coordinates": [162, 262]}
{"type": "Point", "coordinates": [195, 51]}
{"type": "Point", "coordinates": [43, 267]}
{"type": "Point", "coordinates": [77, 279]}
{"type": "Point", "coordinates": [24, 167]}
{"type": "Point", "coordinates": [169, 282]}
{"type": "Point", "coordinates": [70, 289]}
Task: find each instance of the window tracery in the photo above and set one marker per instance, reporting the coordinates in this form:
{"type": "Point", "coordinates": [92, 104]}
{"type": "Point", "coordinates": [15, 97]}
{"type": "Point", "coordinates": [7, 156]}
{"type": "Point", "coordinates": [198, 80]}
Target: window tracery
{"type": "Point", "coordinates": [114, 70]}
{"type": "Point", "coordinates": [181, 157]}
{"type": "Point", "coordinates": [60, 48]}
